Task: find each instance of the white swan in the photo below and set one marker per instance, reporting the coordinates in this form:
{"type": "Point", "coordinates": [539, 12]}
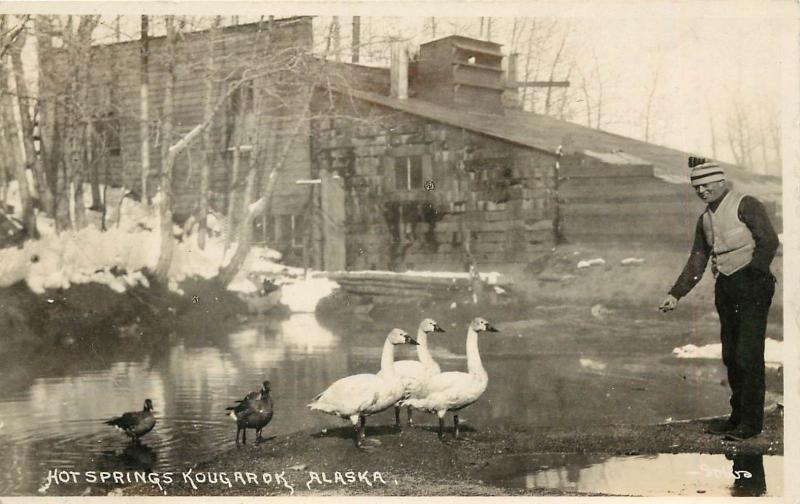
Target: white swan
{"type": "Point", "coordinates": [453, 391]}
{"type": "Point", "coordinates": [414, 373]}
{"type": "Point", "coordinates": [358, 396]}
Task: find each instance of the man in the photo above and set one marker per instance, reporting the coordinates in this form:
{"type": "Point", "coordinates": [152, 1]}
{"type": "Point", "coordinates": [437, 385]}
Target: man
{"type": "Point", "coordinates": [736, 233]}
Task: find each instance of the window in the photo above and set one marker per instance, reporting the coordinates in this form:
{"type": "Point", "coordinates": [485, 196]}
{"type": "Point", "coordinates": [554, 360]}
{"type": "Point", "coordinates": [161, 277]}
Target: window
{"type": "Point", "coordinates": [408, 173]}
{"type": "Point", "coordinates": [298, 230]}
{"type": "Point", "coordinates": [288, 229]}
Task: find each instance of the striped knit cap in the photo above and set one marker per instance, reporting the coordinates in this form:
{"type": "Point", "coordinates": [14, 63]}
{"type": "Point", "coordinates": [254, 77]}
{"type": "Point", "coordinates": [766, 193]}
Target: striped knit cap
{"type": "Point", "coordinates": [706, 173]}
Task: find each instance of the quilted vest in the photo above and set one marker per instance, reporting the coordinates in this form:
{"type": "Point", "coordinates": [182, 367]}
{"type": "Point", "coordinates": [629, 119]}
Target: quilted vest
{"type": "Point", "coordinates": [730, 240]}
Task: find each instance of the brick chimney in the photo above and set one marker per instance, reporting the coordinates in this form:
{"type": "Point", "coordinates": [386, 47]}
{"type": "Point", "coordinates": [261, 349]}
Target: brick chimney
{"type": "Point", "coordinates": [462, 72]}
{"type": "Point", "coordinates": [398, 71]}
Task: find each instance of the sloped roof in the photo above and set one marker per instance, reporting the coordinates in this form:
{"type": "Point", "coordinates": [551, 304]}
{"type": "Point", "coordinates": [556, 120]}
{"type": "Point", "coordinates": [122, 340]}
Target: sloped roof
{"type": "Point", "coordinates": [546, 134]}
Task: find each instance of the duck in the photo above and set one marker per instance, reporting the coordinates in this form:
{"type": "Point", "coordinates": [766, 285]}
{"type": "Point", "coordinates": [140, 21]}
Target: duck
{"type": "Point", "coordinates": [413, 373]}
{"type": "Point", "coordinates": [253, 412]}
{"type": "Point", "coordinates": [357, 396]}
{"type": "Point", "coordinates": [455, 390]}
{"type": "Point", "coordinates": [135, 424]}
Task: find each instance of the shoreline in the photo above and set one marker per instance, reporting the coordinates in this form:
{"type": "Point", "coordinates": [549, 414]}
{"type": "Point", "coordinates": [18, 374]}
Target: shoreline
{"type": "Point", "coordinates": [412, 462]}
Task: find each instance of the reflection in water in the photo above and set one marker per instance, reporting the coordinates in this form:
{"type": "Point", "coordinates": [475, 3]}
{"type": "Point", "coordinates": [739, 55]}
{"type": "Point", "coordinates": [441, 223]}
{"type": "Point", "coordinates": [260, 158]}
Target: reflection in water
{"type": "Point", "coordinates": [303, 332]}
{"type": "Point", "coordinates": [135, 456]}
{"type": "Point", "coordinates": [662, 474]}
{"type": "Point", "coordinates": [749, 478]}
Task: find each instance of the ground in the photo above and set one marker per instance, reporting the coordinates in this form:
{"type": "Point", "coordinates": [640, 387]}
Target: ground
{"type": "Point", "coordinates": [421, 465]}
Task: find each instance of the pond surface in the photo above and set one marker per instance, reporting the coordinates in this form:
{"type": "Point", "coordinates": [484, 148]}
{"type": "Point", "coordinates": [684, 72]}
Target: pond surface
{"type": "Point", "coordinates": [542, 373]}
{"type": "Point", "coordinates": [682, 474]}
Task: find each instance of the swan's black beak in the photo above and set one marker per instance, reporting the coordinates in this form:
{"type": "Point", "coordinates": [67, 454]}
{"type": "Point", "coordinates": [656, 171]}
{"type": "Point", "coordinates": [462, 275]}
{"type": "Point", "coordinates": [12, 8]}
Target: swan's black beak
{"type": "Point", "coordinates": [411, 341]}
{"type": "Point", "coordinates": [437, 328]}
{"type": "Point", "coordinates": [491, 328]}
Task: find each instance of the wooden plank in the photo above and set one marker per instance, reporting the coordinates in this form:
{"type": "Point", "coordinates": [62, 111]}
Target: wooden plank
{"type": "Point", "coordinates": [622, 183]}
{"type": "Point", "coordinates": [608, 171]}
{"type": "Point", "coordinates": [619, 209]}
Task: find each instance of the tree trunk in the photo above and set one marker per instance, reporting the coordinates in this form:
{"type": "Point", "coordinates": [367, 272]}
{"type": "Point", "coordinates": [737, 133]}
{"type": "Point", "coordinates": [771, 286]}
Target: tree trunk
{"type": "Point", "coordinates": [553, 66]}
{"type": "Point", "coordinates": [168, 155]}
{"type": "Point", "coordinates": [32, 161]}
{"type": "Point", "coordinates": [83, 52]}
{"type": "Point", "coordinates": [28, 214]}
{"type": "Point", "coordinates": [93, 162]}
{"type": "Point", "coordinates": [228, 272]}
{"type": "Point", "coordinates": [245, 230]}
{"type": "Point", "coordinates": [208, 146]}
{"type": "Point", "coordinates": [232, 194]}
{"type": "Point", "coordinates": [49, 149]}
{"type": "Point", "coordinates": [144, 104]}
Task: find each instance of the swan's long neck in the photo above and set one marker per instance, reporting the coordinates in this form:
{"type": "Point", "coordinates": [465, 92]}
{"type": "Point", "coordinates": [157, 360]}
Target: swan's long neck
{"type": "Point", "coordinates": [423, 353]}
{"type": "Point", "coordinates": [387, 358]}
{"type": "Point", "coordinates": [474, 364]}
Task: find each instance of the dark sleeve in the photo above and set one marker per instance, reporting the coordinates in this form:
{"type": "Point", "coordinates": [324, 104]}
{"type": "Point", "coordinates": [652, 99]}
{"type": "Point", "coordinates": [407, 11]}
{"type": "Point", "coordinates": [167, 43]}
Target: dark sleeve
{"type": "Point", "coordinates": [695, 266]}
{"type": "Point", "coordinates": [753, 214]}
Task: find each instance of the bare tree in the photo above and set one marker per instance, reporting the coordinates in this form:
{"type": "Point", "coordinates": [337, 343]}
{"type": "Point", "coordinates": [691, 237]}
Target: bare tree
{"type": "Point", "coordinates": [49, 137]}
{"type": "Point", "coordinates": [12, 42]}
{"type": "Point", "coordinates": [739, 134]}
{"type": "Point", "coordinates": [650, 104]}
{"type": "Point", "coordinates": [593, 88]}
{"type": "Point", "coordinates": [553, 67]}
{"type": "Point", "coordinates": [33, 161]}
{"type": "Point", "coordinates": [9, 139]}
{"type": "Point", "coordinates": [144, 104]}
{"type": "Point", "coordinates": [773, 127]}
{"type": "Point", "coordinates": [9, 34]}
{"type": "Point", "coordinates": [79, 117]}
{"type": "Point", "coordinates": [168, 154]}
{"type": "Point", "coordinates": [208, 146]}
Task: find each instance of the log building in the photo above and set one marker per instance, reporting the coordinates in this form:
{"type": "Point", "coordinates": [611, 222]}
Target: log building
{"type": "Point", "coordinates": [423, 165]}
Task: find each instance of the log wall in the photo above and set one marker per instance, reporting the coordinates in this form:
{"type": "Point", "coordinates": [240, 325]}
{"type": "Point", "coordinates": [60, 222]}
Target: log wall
{"type": "Point", "coordinates": [498, 193]}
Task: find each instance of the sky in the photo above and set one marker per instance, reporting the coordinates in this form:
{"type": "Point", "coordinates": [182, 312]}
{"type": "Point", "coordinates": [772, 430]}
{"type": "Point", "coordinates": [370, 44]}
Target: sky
{"type": "Point", "coordinates": [708, 56]}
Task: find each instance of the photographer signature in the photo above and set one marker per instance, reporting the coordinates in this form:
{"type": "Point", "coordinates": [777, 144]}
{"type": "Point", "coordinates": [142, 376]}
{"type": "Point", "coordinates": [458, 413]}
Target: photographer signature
{"type": "Point", "coordinates": [710, 472]}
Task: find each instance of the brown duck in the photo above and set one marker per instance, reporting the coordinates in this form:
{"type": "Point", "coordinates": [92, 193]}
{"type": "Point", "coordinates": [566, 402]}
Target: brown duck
{"type": "Point", "coordinates": [135, 423]}
{"type": "Point", "coordinates": [252, 412]}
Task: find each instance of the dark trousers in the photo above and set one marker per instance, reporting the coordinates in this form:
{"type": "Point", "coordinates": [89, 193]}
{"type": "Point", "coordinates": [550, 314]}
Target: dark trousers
{"type": "Point", "coordinates": [743, 300]}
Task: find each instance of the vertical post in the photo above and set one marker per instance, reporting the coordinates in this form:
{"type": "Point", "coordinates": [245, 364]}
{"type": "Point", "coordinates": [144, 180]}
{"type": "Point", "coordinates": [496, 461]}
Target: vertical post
{"type": "Point", "coordinates": [356, 43]}
{"type": "Point", "coordinates": [336, 33]}
{"type": "Point", "coordinates": [558, 232]}
{"type": "Point", "coordinates": [308, 231]}
{"type": "Point", "coordinates": [399, 71]}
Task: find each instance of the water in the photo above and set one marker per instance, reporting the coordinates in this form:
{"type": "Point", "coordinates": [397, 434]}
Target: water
{"type": "Point", "coordinates": [684, 474]}
{"type": "Point", "coordinates": [544, 372]}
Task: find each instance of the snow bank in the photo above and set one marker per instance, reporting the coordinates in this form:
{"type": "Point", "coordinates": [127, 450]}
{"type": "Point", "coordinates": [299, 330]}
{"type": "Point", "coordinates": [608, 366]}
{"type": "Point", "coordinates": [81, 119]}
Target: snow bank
{"type": "Point", "coordinates": [116, 257]}
{"type": "Point", "coordinates": [773, 351]}
{"type": "Point", "coordinates": [303, 295]}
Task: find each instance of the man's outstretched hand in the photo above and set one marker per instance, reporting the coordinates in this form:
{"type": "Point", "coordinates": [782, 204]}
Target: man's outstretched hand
{"type": "Point", "coordinates": [669, 303]}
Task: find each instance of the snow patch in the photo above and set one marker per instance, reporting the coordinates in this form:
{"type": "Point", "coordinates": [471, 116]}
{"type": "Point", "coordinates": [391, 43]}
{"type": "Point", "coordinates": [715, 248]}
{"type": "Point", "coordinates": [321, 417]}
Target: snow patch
{"type": "Point", "coordinates": [302, 296]}
{"type": "Point", "coordinates": [117, 256]}
{"type": "Point", "coordinates": [591, 262]}
{"type": "Point", "coordinates": [592, 364]}
{"type": "Point", "coordinates": [773, 351]}
{"type": "Point", "coordinates": [631, 260]}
